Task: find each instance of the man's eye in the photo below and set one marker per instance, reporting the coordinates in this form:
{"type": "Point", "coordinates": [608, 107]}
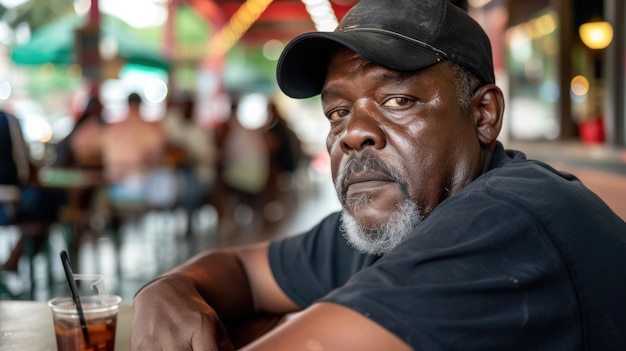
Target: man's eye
{"type": "Point", "coordinates": [336, 115]}
{"type": "Point", "coordinates": [399, 101]}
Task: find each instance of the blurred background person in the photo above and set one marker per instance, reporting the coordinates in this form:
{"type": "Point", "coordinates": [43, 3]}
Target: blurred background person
{"type": "Point", "coordinates": [132, 151]}
{"type": "Point", "coordinates": [81, 147]}
{"type": "Point", "coordinates": [25, 204]}
{"type": "Point", "coordinates": [81, 151]}
{"type": "Point", "coordinates": [132, 146]}
{"type": "Point", "coordinates": [243, 170]}
{"type": "Point", "coordinates": [286, 156]}
{"type": "Point", "coordinates": [192, 151]}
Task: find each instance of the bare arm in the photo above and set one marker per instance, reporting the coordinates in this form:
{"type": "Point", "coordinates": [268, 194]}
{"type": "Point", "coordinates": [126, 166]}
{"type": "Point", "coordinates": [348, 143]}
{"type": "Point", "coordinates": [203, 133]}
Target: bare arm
{"type": "Point", "coordinates": [330, 327]}
{"type": "Point", "coordinates": [199, 304]}
{"type": "Point", "coordinates": [323, 326]}
{"type": "Point", "coordinates": [189, 307]}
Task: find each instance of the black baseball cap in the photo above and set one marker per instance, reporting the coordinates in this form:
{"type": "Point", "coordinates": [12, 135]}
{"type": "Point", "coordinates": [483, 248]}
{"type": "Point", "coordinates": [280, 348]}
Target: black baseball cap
{"type": "Point", "coordinates": [401, 35]}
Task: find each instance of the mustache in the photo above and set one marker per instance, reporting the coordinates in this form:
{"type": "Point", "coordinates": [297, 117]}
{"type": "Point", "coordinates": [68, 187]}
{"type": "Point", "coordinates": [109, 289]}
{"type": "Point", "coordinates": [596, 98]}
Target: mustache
{"type": "Point", "coordinates": [365, 164]}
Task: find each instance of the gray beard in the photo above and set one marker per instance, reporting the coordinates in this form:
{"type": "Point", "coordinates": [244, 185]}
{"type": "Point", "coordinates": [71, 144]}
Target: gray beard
{"type": "Point", "coordinates": [380, 240]}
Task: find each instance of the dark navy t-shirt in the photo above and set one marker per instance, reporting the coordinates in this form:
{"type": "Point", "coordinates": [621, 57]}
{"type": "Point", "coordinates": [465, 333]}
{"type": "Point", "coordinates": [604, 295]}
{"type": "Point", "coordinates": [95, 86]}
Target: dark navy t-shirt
{"type": "Point", "coordinates": [524, 258]}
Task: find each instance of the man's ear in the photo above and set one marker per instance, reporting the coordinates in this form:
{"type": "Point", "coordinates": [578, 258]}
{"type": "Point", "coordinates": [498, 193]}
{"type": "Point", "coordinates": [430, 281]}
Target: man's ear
{"type": "Point", "coordinates": [487, 111]}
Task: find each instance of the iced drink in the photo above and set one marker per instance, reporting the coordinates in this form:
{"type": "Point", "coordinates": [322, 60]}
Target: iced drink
{"type": "Point", "coordinates": [100, 320]}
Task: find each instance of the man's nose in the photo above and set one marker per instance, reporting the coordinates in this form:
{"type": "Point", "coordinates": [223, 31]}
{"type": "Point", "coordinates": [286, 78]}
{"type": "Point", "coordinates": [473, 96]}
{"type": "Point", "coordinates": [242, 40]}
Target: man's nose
{"type": "Point", "coordinates": [363, 129]}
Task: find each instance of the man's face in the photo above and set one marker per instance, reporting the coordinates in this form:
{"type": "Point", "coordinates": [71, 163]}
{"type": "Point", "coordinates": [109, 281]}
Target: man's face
{"type": "Point", "coordinates": [398, 142]}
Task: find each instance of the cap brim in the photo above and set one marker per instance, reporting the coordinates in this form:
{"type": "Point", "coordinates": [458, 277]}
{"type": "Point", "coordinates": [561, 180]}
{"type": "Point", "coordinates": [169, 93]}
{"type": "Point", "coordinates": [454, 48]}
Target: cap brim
{"type": "Point", "coordinates": [303, 64]}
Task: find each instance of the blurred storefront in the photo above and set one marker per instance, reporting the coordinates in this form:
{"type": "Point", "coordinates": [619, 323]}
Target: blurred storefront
{"type": "Point", "coordinates": [560, 87]}
{"type": "Point", "coordinates": [615, 73]}
{"type": "Point", "coordinates": [557, 87]}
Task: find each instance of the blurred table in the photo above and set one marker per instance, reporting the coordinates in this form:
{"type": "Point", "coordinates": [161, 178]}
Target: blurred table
{"type": "Point", "coordinates": [76, 183]}
{"type": "Point", "coordinates": [27, 325]}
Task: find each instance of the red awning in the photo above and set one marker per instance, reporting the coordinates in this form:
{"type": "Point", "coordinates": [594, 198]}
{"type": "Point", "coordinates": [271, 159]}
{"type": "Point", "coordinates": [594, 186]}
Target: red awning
{"type": "Point", "coordinates": [282, 20]}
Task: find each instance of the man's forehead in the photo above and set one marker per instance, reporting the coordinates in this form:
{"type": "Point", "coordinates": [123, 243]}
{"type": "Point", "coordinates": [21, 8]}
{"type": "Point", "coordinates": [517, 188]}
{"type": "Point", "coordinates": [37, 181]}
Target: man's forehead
{"type": "Point", "coordinates": [344, 57]}
{"type": "Point", "coordinates": [342, 53]}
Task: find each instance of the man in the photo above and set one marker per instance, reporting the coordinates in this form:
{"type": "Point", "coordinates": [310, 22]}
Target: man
{"type": "Point", "coordinates": [452, 242]}
{"type": "Point", "coordinates": [132, 146]}
{"type": "Point", "coordinates": [133, 152]}
{"type": "Point", "coordinates": [23, 202]}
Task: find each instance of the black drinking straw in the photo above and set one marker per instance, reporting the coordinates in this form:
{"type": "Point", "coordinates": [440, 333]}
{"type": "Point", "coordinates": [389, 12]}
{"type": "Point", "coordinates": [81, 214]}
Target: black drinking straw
{"type": "Point", "coordinates": [72, 283]}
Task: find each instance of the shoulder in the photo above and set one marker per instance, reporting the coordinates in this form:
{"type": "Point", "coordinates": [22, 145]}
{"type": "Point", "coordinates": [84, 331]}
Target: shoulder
{"type": "Point", "coordinates": [557, 199]}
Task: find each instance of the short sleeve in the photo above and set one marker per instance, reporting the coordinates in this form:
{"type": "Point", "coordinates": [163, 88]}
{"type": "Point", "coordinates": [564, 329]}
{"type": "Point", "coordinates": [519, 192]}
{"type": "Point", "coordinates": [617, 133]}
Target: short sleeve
{"type": "Point", "coordinates": [308, 266]}
{"type": "Point", "coordinates": [466, 282]}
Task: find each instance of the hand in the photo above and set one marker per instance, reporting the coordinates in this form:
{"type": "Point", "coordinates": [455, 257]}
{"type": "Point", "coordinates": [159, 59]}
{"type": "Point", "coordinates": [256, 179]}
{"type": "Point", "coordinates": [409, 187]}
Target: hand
{"type": "Point", "coordinates": [169, 314]}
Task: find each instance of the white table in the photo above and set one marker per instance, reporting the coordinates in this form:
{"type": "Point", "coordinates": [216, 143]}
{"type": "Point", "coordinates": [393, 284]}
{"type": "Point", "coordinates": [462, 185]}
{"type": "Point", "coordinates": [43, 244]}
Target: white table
{"type": "Point", "coordinates": [27, 325]}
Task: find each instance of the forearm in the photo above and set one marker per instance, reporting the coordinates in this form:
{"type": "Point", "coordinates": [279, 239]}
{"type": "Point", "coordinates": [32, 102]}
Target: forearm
{"type": "Point", "coordinates": [210, 300]}
{"type": "Point", "coordinates": [219, 278]}
{"type": "Point", "coordinates": [170, 313]}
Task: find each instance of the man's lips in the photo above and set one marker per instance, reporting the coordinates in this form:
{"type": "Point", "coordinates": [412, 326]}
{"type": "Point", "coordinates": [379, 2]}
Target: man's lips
{"type": "Point", "coordinates": [367, 185]}
{"type": "Point", "coordinates": [366, 180]}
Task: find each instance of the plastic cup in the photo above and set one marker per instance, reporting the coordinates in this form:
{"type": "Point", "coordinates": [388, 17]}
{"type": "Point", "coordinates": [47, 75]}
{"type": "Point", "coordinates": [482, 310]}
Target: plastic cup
{"type": "Point", "coordinates": [100, 318]}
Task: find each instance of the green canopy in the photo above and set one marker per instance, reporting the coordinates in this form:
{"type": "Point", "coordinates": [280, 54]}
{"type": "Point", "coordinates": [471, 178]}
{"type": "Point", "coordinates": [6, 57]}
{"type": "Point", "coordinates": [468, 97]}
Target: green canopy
{"type": "Point", "coordinates": [55, 43]}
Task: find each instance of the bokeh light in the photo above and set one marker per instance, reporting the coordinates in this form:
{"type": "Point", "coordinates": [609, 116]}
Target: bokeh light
{"type": "Point", "coordinates": [272, 49]}
{"type": "Point", "coordinates": [252, 111]}
{"type": "Point", "coordinates": [5, 90]}
{"type": "Point", "coordinates": [155, 90]}
{"type": "Point", "coordinates": [596, 34]}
